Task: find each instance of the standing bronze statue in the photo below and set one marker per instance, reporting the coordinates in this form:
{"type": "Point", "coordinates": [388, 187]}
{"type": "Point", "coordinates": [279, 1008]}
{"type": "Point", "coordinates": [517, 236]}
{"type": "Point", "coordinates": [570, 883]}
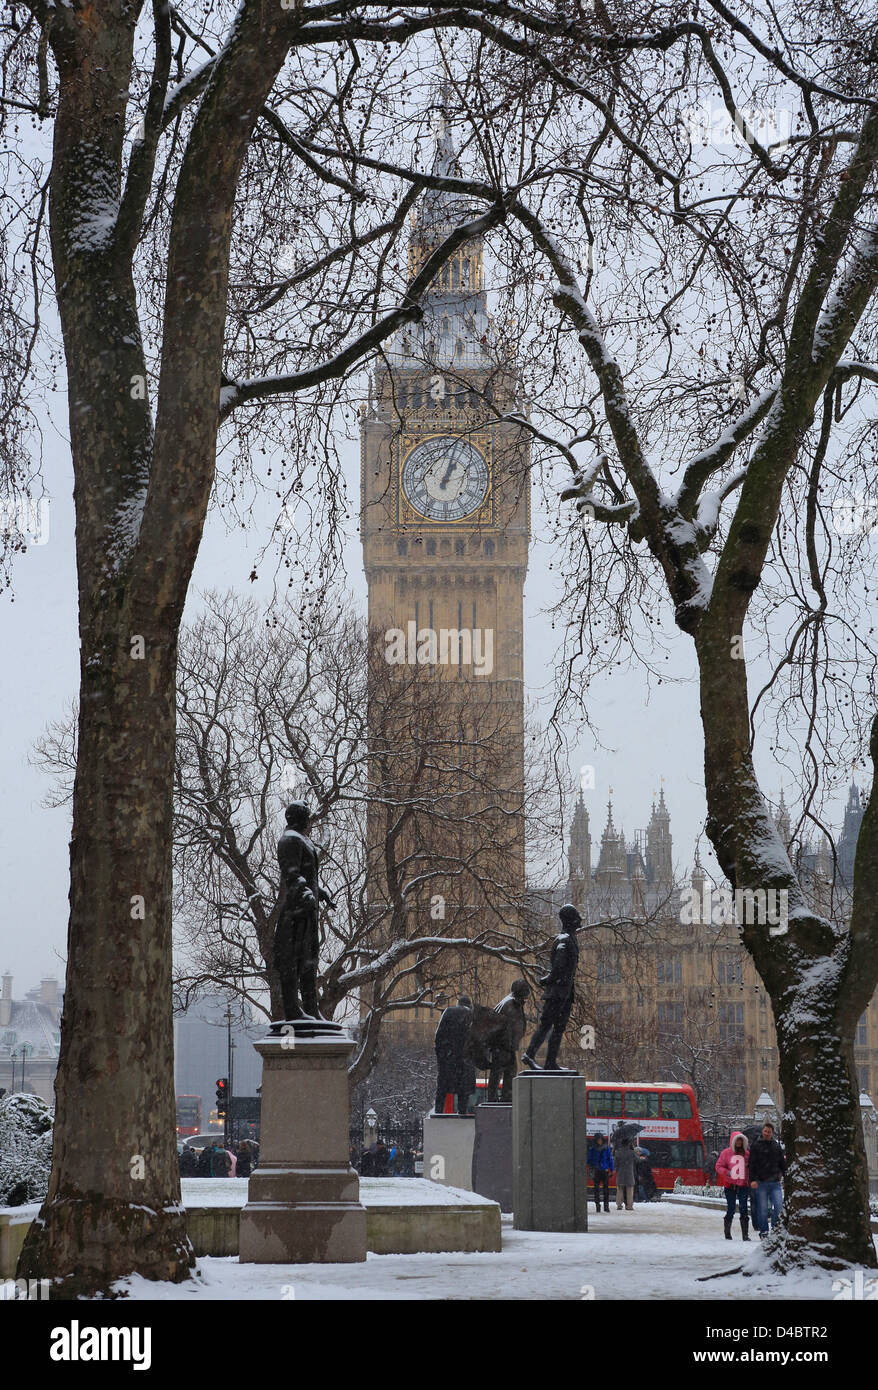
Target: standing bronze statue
{"type": "Point", "coordinates": [557, 992]}
{"type": "Point", "coordinates": [456, 1073]}
{"type": "Point", "coordinates": [297, 937]}
{"type": "Point", "coordinates": [495, 1038]}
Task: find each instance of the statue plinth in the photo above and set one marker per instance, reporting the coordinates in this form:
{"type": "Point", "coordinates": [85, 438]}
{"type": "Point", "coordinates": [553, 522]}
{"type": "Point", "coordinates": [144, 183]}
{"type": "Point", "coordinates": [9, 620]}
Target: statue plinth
{"type": "Point", "coordinates": [550, 1152]}
{"type": "Point", "coordinates": [303, 1202]}
{"type": "Point", "coordinates": [492, 1152]}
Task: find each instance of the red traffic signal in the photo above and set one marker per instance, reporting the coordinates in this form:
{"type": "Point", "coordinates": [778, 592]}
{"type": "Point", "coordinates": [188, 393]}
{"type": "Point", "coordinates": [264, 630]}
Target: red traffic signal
{"type": "Point", "coordinates": [222, 1094]}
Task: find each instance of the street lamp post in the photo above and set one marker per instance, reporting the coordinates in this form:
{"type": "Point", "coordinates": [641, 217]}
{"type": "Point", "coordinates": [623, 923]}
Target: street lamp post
{"type": "Point", "coordinates": [23, 1052]}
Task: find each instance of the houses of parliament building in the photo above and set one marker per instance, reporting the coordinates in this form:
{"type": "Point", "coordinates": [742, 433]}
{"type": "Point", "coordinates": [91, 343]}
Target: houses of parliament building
{"type": "Point", "coordinates": [678, 999]}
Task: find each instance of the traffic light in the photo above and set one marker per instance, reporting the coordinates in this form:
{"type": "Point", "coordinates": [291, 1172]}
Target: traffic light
{"type": "Point", "coordinates": [222, 1096]}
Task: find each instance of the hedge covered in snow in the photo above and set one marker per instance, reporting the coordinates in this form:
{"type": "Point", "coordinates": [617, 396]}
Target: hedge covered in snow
{"type": "Point", "coordinates": [25, 1149]}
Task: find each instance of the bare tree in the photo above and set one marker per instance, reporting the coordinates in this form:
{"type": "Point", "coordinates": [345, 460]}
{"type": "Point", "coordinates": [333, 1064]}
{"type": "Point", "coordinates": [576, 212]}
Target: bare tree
{"type": "Point", "coordinates": [411, 810]}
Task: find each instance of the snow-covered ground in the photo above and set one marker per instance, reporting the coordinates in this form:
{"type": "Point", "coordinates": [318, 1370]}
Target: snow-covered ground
{"type": "Point", "coordinates": [657, 1251]}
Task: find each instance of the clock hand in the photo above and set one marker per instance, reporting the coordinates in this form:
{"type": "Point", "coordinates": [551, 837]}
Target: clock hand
{"type": "Point", "coordinates": [448, 472]}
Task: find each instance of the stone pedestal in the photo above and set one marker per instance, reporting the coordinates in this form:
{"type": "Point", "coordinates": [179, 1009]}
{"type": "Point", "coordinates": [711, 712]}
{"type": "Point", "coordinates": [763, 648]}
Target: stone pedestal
{"type": "Point", "coordinates": [550, 1149]}
{"type": "Point", "coordinates": [492, 1153]}
{"type": "Point", "coordinates": [449, 1138]}
{"type": "Point", "coordinates": [304, 1198]}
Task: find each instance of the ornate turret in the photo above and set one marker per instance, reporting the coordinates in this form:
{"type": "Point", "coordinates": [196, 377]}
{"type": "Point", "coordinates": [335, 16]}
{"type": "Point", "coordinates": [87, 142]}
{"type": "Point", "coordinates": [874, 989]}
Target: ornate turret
{"type": "Point", "coordinates": [847, 840]}
{"type": "Point", "coordinates": [612, 864]}
{"type": "Point", "coordinates": [659, 853]}
{"type": "Point", "coordinates": [782, 821]}
{"type": "Point", "coordinates": [698, 877]}
{"type": "Point", "coordinates": [579, 855]}
{"type": "Point", "coordinates": [454, 329]}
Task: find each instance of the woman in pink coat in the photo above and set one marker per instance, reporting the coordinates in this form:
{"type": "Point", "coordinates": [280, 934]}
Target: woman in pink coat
{"type": "Point", "coordinates": [733, 1171]}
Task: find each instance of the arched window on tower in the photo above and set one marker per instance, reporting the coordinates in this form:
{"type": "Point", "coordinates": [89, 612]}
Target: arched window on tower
{"type": "Point", "coordinates": [489, 547]}
{"type": "Point", "coordinates": [402, 547]}
{"type": "Point", "coordinates": [431, 546]}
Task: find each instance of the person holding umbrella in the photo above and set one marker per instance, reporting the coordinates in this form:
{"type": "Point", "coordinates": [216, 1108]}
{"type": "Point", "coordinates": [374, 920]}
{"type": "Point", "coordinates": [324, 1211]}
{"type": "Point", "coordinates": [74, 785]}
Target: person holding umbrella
{"type": "Point", "coordinates": [625, 1161]}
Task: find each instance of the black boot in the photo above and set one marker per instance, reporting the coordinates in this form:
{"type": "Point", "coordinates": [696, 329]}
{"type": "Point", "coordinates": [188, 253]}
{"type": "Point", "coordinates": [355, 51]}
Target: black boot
{"type": "Point", "coordinates": [727, 1226]}
{"type": "Point", "coordinates": [745, 1228]}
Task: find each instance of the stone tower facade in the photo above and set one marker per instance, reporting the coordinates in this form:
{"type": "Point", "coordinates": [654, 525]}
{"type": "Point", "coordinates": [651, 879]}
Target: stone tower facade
{"type": "Point", "coordinates": [445, 525]}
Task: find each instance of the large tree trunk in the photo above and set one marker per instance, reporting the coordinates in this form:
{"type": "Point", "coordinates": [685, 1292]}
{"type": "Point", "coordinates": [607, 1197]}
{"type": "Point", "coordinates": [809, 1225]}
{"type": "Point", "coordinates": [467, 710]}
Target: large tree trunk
{"type": "Point", "coordinates": [807, 973]}
{"type": "Point", "coordinates": [113, 1204]}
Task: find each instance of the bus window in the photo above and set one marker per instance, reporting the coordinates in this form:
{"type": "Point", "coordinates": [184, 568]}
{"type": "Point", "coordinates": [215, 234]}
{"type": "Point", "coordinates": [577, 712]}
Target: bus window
{"type": "Point", "coordinates": [642, 1105]}
{"type": "Point", "coordinates": [604, 1103]}
{"type": "Point", "coordinates": [676, 1106]}
{"type": "Point", "coordinates": [687, 1155]}
{"type": "Point", "coordinates": [673, 1153]}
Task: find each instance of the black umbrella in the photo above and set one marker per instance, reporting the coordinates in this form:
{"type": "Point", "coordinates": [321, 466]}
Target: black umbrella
{"type": "Point", "coordinates": [626, 1130]}
{"type": "Point", "coordinates": [752, 1132]}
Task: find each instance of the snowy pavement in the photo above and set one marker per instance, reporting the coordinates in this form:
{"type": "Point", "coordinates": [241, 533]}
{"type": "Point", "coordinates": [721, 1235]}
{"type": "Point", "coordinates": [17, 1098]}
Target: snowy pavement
{"type": "Point", "coordinates": [658, 1251]}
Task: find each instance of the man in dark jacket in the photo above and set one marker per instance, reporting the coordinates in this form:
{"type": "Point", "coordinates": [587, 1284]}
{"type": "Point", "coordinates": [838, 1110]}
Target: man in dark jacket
{"type": "Point", "coordinates": [600, 1161]}
{"type": "Point", "coordinates": [557, 992]}
{"type": "Point", "coordinates": [768, 1164]}
{"type": "Point", "coordinates": [188, 1162]}
{"type": "Point", "coordinates": [456, 1074]}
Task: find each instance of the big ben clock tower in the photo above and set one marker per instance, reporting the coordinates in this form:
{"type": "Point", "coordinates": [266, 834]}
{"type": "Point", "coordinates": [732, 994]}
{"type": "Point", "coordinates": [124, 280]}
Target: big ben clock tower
{"type": "Point", "coordinates": [445, 509]}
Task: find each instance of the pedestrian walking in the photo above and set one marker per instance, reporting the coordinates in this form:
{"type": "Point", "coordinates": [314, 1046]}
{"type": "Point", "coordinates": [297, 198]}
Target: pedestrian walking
{"type": "Point", "coordinates": [245, 1161]}
{"type": "Point", "coordinates": [624, 1160]}
{"type": "Point", "coordinates": [768, 1163]}
{"type": "Point", "coordinates": [644, 1182]}
{"type": "Point", "coordinates": [188, 1162]}
{"type": "Point", "coordinates": [220, 1163]}
{"type": "Point", "coordinates": [733, 1173]}
{"type": "Point", "coordinates": [600, 1161]}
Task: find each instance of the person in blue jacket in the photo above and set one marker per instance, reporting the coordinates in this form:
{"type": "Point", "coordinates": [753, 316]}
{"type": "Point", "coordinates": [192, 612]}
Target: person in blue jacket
{"type": "Point", "coordinates": [600, 1161]}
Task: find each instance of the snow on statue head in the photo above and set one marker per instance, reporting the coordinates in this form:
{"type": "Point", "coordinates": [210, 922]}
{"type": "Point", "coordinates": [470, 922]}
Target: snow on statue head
{"type": "Point", "coordinates": [570, 918]}
{"type": "Point", "coordinates": [298, 815]}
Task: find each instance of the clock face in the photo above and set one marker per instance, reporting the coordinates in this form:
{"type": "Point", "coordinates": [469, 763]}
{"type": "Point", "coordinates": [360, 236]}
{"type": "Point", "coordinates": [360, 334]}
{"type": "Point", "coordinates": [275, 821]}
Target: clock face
{"type": "Point", "coordinates": [445, 478]}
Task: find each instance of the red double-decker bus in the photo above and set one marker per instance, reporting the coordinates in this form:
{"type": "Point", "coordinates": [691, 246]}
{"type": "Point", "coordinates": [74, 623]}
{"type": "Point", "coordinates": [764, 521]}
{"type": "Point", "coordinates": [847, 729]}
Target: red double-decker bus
{"type": "Point", "coordinates": [188, 1115]}
{"type": "Point", "coordinates": [670, 1128]}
